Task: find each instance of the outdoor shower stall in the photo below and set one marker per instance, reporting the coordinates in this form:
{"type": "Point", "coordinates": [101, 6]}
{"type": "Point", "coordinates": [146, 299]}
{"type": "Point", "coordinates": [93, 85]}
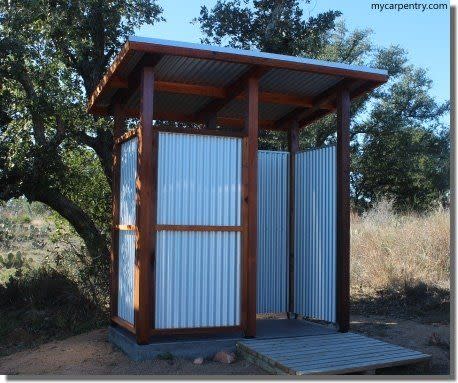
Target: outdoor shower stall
{"type": "Point", "coordinates": [209, 231]}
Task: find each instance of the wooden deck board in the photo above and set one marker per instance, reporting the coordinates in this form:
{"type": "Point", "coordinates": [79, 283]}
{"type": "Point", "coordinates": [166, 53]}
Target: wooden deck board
{"type": "Point", "coordinates": [336, 353]}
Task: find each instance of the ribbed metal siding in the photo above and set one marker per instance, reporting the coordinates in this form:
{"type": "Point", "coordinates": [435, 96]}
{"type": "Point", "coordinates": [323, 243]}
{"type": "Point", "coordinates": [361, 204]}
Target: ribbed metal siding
{"type": "Point", "coordinates": [127, 216]}
{"type": "Point", "coordinates": [127, 182]}
{"type": "Point", "coordinates": [315, 234]}
{"type": "Point", "coordinates": [273, 232]}
{"type": "Point", "coordinates": [198, 279]}
{"type": "Point", "coordinates": [198, 273]}
{"type": "Point", "coordinates": [126, 275]}
{"type": "Point", "coordinates": [199, 180]}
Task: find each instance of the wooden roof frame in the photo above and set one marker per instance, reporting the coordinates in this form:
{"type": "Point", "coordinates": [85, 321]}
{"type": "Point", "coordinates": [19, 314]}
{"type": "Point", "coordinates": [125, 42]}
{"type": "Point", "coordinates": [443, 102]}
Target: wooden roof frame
{"type": "Point", "coordinates": [306, 109]}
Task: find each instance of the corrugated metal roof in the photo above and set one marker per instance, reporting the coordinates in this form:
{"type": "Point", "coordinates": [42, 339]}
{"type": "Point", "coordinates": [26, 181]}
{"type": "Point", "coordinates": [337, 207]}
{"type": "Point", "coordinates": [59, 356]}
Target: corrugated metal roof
{"type": "Point", "coordinates": [218, 67]}
{"type": "Point", "coordinates": [195, 71]}
{"type": "Point", "coordinates": [256, 54]}
{"type": "Point", "coordinates": [294, 82]}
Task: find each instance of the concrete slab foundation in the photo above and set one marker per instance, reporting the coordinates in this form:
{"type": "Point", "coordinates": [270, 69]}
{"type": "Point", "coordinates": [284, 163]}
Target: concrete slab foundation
{"type": "Point", "coordinates": [208, 346]}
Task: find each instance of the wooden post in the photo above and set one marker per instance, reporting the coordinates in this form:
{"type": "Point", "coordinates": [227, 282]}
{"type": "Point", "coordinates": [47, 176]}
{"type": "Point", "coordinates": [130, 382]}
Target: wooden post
{"type": "Point", "coordinates": [119, 126]}
{"type": "Point", "coordinates": [249, 208]}
{"type": "Point", "coordinates": [293, 148]}
{"type": "Point", "coordinates": [146, 211]}
{"type": "Point", "coordinates": [343, 209]}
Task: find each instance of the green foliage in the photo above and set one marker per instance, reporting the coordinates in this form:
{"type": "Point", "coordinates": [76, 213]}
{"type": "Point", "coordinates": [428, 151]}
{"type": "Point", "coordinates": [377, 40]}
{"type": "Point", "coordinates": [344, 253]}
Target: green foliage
{"type": "Point", "coordinates": [400, 150]}
{"type": "Point", "coordinates": [41, 305]}
{"type": "Point", "coordinates": [404, 150]}
{"type": "Point", "coordinates": [53, 55]}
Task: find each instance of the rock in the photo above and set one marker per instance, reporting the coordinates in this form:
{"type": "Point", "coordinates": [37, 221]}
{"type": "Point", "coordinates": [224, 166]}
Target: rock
{"type": "Point", "coordinates": [224, 357]}
{"type": "Point", "coordinates": [199, 360]}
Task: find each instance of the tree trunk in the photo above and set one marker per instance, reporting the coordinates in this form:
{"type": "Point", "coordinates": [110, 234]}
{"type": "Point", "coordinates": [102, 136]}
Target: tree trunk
{"type": "Point", "coordinates": [94, 240]}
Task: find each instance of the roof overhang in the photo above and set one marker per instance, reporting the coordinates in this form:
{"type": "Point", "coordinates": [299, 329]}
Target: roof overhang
{"type": "Point", "coordinates": [194, 81]}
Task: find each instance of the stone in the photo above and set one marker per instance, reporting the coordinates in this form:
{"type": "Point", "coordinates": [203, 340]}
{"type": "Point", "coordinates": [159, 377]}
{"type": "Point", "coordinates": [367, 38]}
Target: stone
{"type": "Point", "coordinates": [224, 357]}
{"type": "Point", "coordinates": [198, 360]}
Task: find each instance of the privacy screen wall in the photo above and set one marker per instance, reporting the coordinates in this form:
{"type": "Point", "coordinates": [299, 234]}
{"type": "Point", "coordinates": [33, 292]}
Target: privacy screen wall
{"type": "Point", "coordinates": [127, 216]}
{"type": "Point", "coordinates": [273, 232]}
{"type": "Point", "coordinates": [315, 234]}
{"type": "Point", "coordinates": [198, 273]}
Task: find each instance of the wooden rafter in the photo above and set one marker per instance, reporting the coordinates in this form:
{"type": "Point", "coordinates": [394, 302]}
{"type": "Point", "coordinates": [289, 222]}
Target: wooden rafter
{"type": "Point", "coordinates": [303, 114]}
{"type": "Point", "coordinates": [125, 95]}
{"type": "Point", "coordinates": [231, 91]}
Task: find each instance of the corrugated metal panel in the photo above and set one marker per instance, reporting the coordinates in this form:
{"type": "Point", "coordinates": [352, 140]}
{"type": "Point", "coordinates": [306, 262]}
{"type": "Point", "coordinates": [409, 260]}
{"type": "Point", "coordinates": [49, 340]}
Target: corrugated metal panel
{"type": "Point", "coordinates": [315, 233]}
{"type": "Point", "coordinates": [127, 191]}
{"type": "Point", "coordinates": [126, 275]}
{"type": "Point", "coordinates": [273, 231]}
{"type": "Point", "coordinates": [199, 180]}
{"type": "Point", "coordinates": [215, 49]}
{"type": "Point", "coordinates": [267, 111]}
{"type": "Point", "coordinates": [188, 104]}
{"type": "Point", "coordinates": [294, 82]}
{"type": "Point", "coordinates": [197, 279]}
{"type": "Point", "coordinates": [197, 71]}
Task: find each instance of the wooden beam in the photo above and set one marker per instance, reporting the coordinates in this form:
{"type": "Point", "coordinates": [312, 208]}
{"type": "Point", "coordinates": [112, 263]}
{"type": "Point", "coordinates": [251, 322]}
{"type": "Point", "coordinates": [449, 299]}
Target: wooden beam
{"type": "Point", "coordinates": [104, 85]}
{"type": "Point", "coordinates": [293, 148]}
{"type": "Point", "coordinates": [325, 100]}
{"type": "Point", "coordinates": [126, 136]}
{"type": "Point", "coordinates": [122, 323]}
{"type": "Point", "coordinates": [221, 121]}
{"type": "Point", "coordinates": [134, 80]}
{"type": "Point", "coordinates": [118, 82]}
{"type": "Point", "coordinates": [328, 96]}
{"type": "Point", "coordinates": [119, 126]}
{"type": "Point", "coordinates": [196, 331]}
{"type": "Point", "coordinates": [343, 210]}
{"type": "Point", "coordinates": [218, 92]}
{"type": "Point", "coordinates": [249, 207]}
{"type": "Point", "coordinates": [205, 132]}
{"type": "Point", "coordinates": [231, 91]}
{"type": "Point", "coordinates": [144, 288]}
{"type": "Point", "coordinates": [197, 228]}
{"type": "Point", "coordinates": [125, 227]}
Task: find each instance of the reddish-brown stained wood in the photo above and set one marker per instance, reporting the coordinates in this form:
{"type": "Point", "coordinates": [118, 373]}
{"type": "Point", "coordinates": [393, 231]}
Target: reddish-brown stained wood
{"type": "Point", "coordinates": [126, 227]}
{"type": "Point", "coordinates": [129, 48]}
{"type": "Point", "coordinates": [293, 148]}
{"type": "Point", "coordinates": [249, 208]}
{"type": "Point", "coordinates": [146, 212]}
{"type": "Point", "coordinates": [343, 210]}
{"type": "Point", "coordinates": [124, 324]}
{"type": "Point", "coordinates": [126, 136]}
{"type": "Point", "coordinates": [119, 125]}
{"type": "Point", "coordinates": [196, 228]}
{"type": "Point", "coordinates": [218, 92]}
{"type": "Point", "coordinates": [196, 330]}
{"type": "Point", "coordinates": [231, 91]}
{"type": "Point", "coordinates": [205, 132]}
{"type": "Point", "coordinates": [135, 78]}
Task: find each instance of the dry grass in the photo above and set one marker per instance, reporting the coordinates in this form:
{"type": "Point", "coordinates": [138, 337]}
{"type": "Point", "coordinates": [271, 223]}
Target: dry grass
{"type": "Point", "coordinates": [400, 254]}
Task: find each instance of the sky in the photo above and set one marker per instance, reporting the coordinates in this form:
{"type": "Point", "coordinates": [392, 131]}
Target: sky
{"type": "Point", "coordinates": [425, 35]}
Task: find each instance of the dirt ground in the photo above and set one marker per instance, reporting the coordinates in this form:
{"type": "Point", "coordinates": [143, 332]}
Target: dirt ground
{"type": "Point", "coordinates": [92, 354]}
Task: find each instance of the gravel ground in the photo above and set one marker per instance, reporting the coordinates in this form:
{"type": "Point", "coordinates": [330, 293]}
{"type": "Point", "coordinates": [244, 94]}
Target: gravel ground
{"type": "Point", "coordinates": [92, 354]}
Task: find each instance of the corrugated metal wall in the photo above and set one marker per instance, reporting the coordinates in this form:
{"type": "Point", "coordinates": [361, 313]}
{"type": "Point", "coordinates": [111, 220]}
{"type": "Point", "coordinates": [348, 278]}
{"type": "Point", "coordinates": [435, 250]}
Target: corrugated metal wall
{"type": "Point", "coordinates": [198, 273]}
{"type": "Point", "coordinates": [197, 279]}
{"type": "Point", "coordinates": [126, 256]}
{"type": "Point", "coordinates": [127, 191]}
{"type": "Point", "coordinates": [126, 264]}
{"type": "Point", "coordinates": [273, 231]}
{"type": "Point", "coordinates": [199, 180]}
{"type": "Point", "coordinates": [315, 233]}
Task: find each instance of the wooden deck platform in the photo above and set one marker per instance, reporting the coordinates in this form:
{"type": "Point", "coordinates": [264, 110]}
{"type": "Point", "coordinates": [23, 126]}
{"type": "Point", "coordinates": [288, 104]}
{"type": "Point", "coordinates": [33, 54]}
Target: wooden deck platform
{"type": "Point", "coordinates": [330, 354]}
